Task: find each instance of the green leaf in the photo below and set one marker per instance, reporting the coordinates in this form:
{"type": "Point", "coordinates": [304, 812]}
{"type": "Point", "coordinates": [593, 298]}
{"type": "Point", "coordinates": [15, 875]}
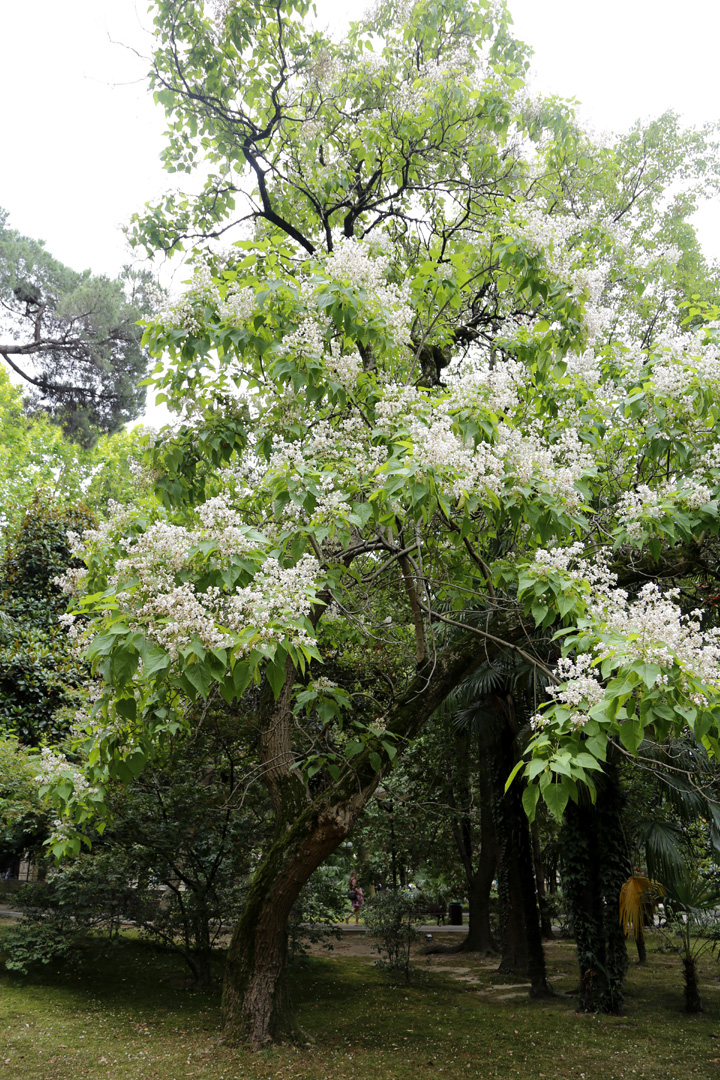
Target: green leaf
{"type": "Point", "coordinates": [534, 768]}
{"type": "Point", "coordinates": [514, 773]}
{"type": "Point", "coordinates": [631, 735]}
{"type": "Point", "coordinates": [275, 673]}
{"type": "Point", "coordinates": [647, 672]}
{"type": "Point", "coordinates": [127, 708]}
{"type": "Point", "coordinates": [530, 797]}
{"type": "Point", "coordinates": [123, 665]}
{"type": "Point", "coordinates": [242, 677]}
{"type": "Point", "coordinates": [155, 662]}
{"type": "Point", "coordinates": [556, 797]}
{"type": "Point", "coordinates": [199, 677]}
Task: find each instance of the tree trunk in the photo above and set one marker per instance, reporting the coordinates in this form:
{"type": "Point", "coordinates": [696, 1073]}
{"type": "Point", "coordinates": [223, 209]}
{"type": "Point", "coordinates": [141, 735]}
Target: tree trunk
{"type": "Point", "coordinates": [522, 951]}
{"type": "Point", "coordinates": [256, 1004]}
{"type": "Point", "coordinates": [545, 923]}
{"type": "Point", "coordinates": [478, 878]}
{"type": "Point", "coordinates": [479, 936]}
{"type": "Point", "coordinates": [595, 865]}
{"type": "Point", "coordinates": [693, 1001]}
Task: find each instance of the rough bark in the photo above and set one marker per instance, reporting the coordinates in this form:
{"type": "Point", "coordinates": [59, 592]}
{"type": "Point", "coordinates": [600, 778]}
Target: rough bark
{"type": "Point", "coordinates": [693, 1001]}
{"type": "Point", "coordinates": [255, 1001]}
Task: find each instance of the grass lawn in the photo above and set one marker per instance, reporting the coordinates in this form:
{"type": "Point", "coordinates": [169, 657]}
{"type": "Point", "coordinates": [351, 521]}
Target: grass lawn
{"type": "Point", "coordinates": [129, 1016]}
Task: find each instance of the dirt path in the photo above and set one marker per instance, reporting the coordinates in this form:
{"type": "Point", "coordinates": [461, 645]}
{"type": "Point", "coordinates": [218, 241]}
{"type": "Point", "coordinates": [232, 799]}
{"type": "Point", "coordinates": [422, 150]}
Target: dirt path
{"type": "Point", "coordinates": [480, 972]}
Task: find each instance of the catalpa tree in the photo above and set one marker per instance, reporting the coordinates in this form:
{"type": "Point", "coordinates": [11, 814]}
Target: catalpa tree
{"type": "Point", "coordinates": [434, 407]}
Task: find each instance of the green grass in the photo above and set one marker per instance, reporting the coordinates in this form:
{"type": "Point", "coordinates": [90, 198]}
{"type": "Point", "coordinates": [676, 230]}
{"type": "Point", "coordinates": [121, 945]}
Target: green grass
{"type": "Point", "coordinates": [129, 1016]}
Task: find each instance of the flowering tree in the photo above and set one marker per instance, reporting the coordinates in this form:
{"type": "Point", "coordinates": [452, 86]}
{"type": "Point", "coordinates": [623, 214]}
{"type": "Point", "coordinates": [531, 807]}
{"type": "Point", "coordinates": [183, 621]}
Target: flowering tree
{"type": "Point", "coordinates": [417, 429]}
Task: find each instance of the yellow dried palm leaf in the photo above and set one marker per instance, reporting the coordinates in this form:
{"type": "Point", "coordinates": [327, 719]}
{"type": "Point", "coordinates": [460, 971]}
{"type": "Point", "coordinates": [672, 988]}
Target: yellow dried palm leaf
{"type": "Point", "coordinates": [638, 897]}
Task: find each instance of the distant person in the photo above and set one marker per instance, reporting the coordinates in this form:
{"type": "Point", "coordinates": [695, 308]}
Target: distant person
{"type": "Point", "coordinates": [357, 899]}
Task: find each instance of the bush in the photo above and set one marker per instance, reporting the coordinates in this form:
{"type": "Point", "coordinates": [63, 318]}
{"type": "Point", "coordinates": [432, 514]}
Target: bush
{"type": "Point", "coordinates": [389, 919]}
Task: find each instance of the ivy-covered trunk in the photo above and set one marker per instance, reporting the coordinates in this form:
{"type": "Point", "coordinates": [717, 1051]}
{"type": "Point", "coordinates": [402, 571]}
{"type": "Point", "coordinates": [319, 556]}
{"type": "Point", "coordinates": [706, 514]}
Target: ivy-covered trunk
{"type": "Point", "coordinates": [595, 865]}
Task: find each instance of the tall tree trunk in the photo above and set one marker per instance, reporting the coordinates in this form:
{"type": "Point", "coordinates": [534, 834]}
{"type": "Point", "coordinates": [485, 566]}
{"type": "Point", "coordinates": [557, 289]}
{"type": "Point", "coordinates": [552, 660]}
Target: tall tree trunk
{"type": "Point", "coordinates": [522, 950]}
{"type": "Point", "coordinates": [479, 937]}
{"type": "Point", "coordinates": [595, 865]}
{"type": "Point", "coordinates": [545, 923]}
{"type": "Point", "coordinates": [255, 999]}
{"type": "Point", "coordinates": [478, 877]}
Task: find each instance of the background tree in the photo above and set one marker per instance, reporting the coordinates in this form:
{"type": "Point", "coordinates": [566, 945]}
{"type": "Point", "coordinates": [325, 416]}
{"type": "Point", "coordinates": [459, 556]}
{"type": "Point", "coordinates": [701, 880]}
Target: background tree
{"type": "Point", "coordinates": [72, 337]}
{"type": "Point", "coordinates": [175, 859]}
{"type": "Point", "coordinates": [40, 671]}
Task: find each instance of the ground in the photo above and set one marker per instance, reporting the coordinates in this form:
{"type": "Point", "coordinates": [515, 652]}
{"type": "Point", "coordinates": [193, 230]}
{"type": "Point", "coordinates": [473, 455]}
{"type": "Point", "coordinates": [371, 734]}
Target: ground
{"type": "Point", "coordinates": [127, 1014]}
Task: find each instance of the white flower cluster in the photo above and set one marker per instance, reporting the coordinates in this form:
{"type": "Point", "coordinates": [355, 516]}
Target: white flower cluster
{"type": "Point", "coordinates": [584, 366]}
{"type": "Point", "coordinates": [238, 306]}
{"type": "Point", "coordinates": [155, 583]}
{"type": "Point", "coordinates": [654, 628]}
{"type": "Point", "coordinates": [643, 503]}
{"type": "Point", "coordinates": [344, 446]}
{"type": "Point", "coordinates": [322, 685]}
{"type": "Point", "coordinates": [682, 363]}
{"type": "Point", "coordinates": [308, 339]}
{"type": "Point", "coordinates": [497, 385]}
{"type": "Point", "coordinates": [559, 465]}
{"type": "Point", "coordinates": [549, 233]}
{"type": "Point", "coordinates": [360, 264]}
{"type": "Point", "coordinates": [345, 367]}
{"type": "Point", "coordinates": [173, 618]}
{"type": "Point", "coordinates": [517, 459]}
{"type": "Point", "coordinates": [276, 599]}
{"type": "Point", "coordinates": [186, 313]}
{"type": "Point", "coordinates": [579, 689]}
{"type": "Point", "coordinates": [71, 582]}
{"type": "Point", "coordinates": [223, 524]}
{"type": "Point", "coordinates": [54, 767]}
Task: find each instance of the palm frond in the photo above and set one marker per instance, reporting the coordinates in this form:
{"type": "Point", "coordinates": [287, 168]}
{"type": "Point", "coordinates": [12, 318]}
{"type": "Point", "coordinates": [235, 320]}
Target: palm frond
{"type": "Point", "coordinates": [666, 848]}
{"type": "Point", "coordinates": [638, 897]}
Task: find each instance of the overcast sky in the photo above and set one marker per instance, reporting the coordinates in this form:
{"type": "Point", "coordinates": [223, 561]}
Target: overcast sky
{"type": "Point", "coordinates": [81, 136]}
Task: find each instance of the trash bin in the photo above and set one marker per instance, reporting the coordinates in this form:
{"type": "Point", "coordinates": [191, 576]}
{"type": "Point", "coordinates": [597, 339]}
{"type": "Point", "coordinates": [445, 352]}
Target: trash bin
{"type": "Point", "coordinates": [455, 911]}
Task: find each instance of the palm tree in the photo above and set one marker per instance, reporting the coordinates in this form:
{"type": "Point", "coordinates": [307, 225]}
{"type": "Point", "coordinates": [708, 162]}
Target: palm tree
{"type": "Point", "coordinates": [492, 708]}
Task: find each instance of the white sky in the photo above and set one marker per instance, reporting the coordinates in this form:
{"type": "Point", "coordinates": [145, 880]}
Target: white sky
{"type": "Point", "coordinates": [80, 135]}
